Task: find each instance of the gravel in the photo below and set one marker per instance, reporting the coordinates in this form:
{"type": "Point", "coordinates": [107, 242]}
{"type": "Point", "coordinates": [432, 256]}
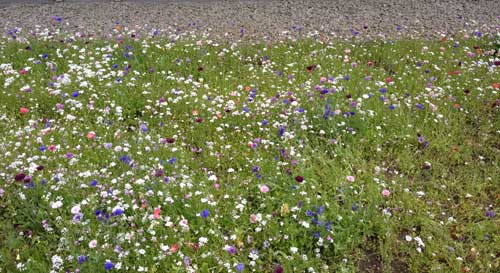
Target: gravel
{"type": "Point", "coordinates": [413, 18]}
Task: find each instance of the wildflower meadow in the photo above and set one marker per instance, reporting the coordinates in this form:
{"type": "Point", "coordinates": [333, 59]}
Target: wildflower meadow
{"type": "Point", "coordinates": [153, 150]}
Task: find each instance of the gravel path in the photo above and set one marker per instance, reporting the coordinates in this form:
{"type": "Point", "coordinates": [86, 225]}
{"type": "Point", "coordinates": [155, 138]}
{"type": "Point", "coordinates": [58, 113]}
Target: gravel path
{"type": "Point", "coordinates": [261, 17]}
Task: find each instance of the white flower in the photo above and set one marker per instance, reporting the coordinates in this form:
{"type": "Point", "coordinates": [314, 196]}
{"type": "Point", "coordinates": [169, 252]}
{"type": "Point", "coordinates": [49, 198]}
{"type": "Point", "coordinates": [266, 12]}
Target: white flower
{"type": "Point", "coordinates": [212, 178]}
{"type": "Point", "coordinates": [75, 209]}
{"type": "Point", "coordinates": [202, 241]}
{"type": "Point", "coordinates": [57, 262]}
{"type": "Point", "coordinates": [56, 204]}
{"type": "Point", "coordinates": [294, 249]}
{"type": "Point", "coordinates": [70, 117]}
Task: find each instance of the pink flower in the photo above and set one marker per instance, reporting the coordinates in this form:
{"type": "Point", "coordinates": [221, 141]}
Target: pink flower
{"type": "Point", "coordinates": [253, 218]}
{"type": "Point", "coordinates": [93, 243]}
{"type": "Point", "coordinates": [174, 248]}
{"type": "Point", "coordinates": [22, 71]}
{"type": "Point", "coordinates": [23, 110]}
{"type": "Point", "coordinates": [156, 213]}
{"type": "Point", "coordinates": [264, 188]}
{"type": "Point", "coordinates": [91, 135]}
{"type": "Point", "coordinates": [350, 178]}
{"type": "Point", "coordinates": [386, 193]}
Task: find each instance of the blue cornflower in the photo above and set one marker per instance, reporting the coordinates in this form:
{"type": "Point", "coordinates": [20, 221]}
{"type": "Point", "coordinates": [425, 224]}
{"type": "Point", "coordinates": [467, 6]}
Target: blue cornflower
{"type": "Point", "coordinates": [172, 160]}
{"type": "Point", "coordinates": [205, 213]}
{"type": "Point", "coordinates": [75, 94]}
{"type": "Point", "coordinates": [93, 183]}
{"type": "Point", "coordinates": [281, 131]}
{"type": "Point", "coordinates": [125, 159]}
{"type": "Point", "coordinates": [117, 212]}
{"type": "Point", "coordinates": [420, 106]}
{"type": "Point", "coordinates": [240, 267]}
{"type": "Point", "coordinates": [327, 111]}
{"type": "Point", "coordinates": [328, 225]}
{"type": "Point", "coordinates": [383, 90]}
{"type": "Point", "coordinates": [82, 259]}
{"type": "Point", "coordinates": [265, 122]}
{"type": "Point", "coordinates": [108, 265]}
{"type": "Point", "coordinates": [320, 210]}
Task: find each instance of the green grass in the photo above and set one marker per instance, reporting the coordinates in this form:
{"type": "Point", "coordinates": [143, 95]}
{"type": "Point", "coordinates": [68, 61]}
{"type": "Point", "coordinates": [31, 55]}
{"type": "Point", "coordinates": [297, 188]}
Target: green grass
{"type": "Point", "coordinates": [440, 163]}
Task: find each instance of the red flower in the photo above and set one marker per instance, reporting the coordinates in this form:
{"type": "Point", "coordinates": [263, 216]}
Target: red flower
{"type": "Point", "coordinates": [311, 68]}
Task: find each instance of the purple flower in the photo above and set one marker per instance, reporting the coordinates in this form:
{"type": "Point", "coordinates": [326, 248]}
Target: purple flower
{"type": "Point", "coordinates": [278, 269]}
{"type": "Point", "coordinates": [77, 217]}
{"type": "Point", "coordinates": [57, 19]}
{"type": "Point", "coordinates": [230, 249]}
{"type": "Point", "coordinates": [240, 267]}
{"type": "Point", "coordinates": [187, 261]}
{"type": "Point", "coordinates": [490, 214]}
{"type": "Point", "coordinates": [19, 177]}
